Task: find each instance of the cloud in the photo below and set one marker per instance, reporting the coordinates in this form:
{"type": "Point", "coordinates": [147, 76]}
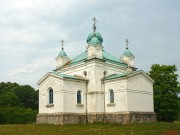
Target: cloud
{"type": "Point", "coordinates": [31, 31]}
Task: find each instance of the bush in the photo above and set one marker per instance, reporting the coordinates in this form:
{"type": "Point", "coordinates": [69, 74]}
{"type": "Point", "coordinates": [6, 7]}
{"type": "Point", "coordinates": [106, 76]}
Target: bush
{"type": "Point", "coordinates": [17, 115]}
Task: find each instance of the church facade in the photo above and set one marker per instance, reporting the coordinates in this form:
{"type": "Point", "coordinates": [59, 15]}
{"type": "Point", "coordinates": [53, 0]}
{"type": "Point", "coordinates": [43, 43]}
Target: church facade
{"type": "Point", "coordinates": [95, 86]}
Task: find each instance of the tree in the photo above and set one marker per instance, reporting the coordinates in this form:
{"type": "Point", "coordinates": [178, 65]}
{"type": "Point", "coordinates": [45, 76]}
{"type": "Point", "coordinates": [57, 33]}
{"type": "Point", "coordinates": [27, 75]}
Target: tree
{"type": "Point", "coordinates": [13, 94]}
{"type": "Point", "coordinates": [7, 86]}
{"type": "Point", "coordinates": [27, 96]}
{"type": "Point", "coordinates": [9, 99]}
{"type": "Point", "coordinates": [166, 89]}
{"type": "Point", "coordinates": [18, 103]}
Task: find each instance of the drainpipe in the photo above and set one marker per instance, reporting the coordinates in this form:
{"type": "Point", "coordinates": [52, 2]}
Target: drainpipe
{"type": "Point", "coordinates": [104, 103]}
{"type": "Point", "coordinates": [86, 120]}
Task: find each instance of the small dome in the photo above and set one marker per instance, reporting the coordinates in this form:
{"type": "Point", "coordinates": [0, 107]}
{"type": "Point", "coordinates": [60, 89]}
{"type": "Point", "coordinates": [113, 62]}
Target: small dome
{"type": "Point", "coordinates": [94, 41]}
{"type": "Point", "coordinates": [97, 35]}
{"type": "Point", "coordinates": [62, 53]}
{"type": "Point", "coordinates": [128, 53]}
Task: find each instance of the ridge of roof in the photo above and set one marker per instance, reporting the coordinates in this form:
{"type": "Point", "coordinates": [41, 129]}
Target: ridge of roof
{"type": "Point", "coordinates": [106, 56]}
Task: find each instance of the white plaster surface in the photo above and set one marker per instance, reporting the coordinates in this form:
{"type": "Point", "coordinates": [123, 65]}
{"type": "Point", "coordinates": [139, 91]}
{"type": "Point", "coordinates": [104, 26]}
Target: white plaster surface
{"type": "Point", "coordinates": [140, 95]}
{"type": "Point", "coordinates": [133, 93]}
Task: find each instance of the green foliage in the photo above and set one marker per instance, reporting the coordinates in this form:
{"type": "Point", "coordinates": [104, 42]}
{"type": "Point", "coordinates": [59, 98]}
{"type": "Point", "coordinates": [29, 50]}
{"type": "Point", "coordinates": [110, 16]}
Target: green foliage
{"type": "Point", "coordinates": [7, 86]}
{"type": "Point", "coordinates": [17, 115]}
{"type": "Point", "coordinates": [9, 99]}
{"type": "Point", "coordinates": [13, 94]}
{"type": "Point", "coordinates": [18, 103]}
{"type": "Point", "coordinates": [166, 89]}
{"type": "Point", "coordinates": [27, 96]}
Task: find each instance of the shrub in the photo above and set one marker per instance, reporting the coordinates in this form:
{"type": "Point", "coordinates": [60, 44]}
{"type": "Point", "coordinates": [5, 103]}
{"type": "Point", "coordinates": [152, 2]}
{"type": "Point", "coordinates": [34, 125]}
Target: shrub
{"type": "Point", "coordinates": [17, 115]}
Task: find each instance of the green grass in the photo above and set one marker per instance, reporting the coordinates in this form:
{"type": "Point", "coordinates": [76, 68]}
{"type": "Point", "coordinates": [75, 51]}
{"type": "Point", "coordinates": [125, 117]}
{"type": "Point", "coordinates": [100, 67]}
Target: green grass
{"type": "Point", "coordinates": [92, 129]}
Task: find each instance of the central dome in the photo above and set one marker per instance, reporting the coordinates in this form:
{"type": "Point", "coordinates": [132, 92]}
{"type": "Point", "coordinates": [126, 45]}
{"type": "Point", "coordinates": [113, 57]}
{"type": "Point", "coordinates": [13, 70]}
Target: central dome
{"type": "Point", "coordinates": [93, 36]}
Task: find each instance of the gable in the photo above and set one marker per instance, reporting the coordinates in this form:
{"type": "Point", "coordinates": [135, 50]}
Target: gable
{"type": "Point", "coordinates": [140, 84]}
{"type": "Point", "coordinates": [141, 74]}
{"type": "Point", "coordinates": [60, 76]}
{"type": "Point", "coordinates": [128, 76]}
{"type": "Point", "coordinates": [46, 76]}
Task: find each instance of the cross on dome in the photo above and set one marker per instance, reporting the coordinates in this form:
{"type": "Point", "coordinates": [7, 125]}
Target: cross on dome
{"type": "Point", "coordinates": [62, 44]}
{"type": "Point", "coordinates": [94, 37]}
{"type": "Point", "coordinates": [94, 25]}
{"type": "Point", "coordinates": [127, 43]}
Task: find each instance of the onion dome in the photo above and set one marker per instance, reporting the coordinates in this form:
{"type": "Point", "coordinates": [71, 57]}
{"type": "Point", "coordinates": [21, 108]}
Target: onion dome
{"type": "Point", "coordinates": [95, 38]}
{"type": "Point", "coordinates": [94, 41]}
{"type": "Point", "coordinates": [128, 53]}
{"type": "Point", "coordinates": [62, 53]}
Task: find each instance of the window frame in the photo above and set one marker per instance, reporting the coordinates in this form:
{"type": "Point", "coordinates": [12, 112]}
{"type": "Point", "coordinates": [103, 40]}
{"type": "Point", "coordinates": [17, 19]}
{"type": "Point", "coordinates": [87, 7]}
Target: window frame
{"type": "Point", "coordinates": [79, 97]}
{"type": "Point", "coordinates": [111, 96]}
{"type": "Point", "coordinates": [50, 96]}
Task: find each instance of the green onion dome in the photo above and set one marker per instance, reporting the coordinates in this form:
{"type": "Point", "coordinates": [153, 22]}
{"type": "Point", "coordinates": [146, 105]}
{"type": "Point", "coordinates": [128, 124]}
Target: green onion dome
{"type": "Point", "coordinates": [94, 38]}
{"type": "Point", "coordinates": [94, 41]}
{"type": "Point", "coordinates": [62, 53]}
{"type": "Point", "coordinates": [128, 53]}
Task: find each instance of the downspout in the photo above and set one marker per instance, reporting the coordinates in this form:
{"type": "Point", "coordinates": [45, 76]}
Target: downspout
{"type": "Point", "coordinates": [128, 113]}
{"type": "Point", "coordinates": [104, 102]}
{"type": "Point", "coordinates": [86, 119]}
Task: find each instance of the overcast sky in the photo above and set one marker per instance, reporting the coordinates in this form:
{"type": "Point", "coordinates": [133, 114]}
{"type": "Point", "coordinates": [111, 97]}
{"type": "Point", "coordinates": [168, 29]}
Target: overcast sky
{"type": "Point", "coordinates": [31, 30]}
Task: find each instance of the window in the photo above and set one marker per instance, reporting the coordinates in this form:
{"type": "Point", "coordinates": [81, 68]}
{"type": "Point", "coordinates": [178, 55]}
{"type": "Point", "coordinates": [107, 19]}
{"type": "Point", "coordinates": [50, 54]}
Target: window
{"type": "Point", "coordinates": [84, 73]}
{"type": "Point", "coordinates": [79, 98]}
{"type": "Point", "coordinates": [111, 96]}
{"type": "Point", "coordinates": [50, 96]}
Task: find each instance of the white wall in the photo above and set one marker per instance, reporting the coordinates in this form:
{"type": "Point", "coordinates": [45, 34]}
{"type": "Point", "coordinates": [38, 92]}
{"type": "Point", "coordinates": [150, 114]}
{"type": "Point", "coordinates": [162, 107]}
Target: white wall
{"type": "Point", "coordinates": [88, 67]}
{"type": "Point", "coordinates": [70, 89]}
{"type": "Point", "coordinates": [140, 94]}
{"type": "Point", "coordinates": [95, 72]}
{"type": "Point", "coordinates": [120, 96]}
{"type": "Point", "coordinates": [64, 95]}
{"type": "Point", "coordinates": [134, 94]}
{"type": "Point", "coordinates": [56, 84]}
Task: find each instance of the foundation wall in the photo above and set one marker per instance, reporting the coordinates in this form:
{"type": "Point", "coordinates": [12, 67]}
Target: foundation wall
{"type": "Point", "coordinates": [119, 118]}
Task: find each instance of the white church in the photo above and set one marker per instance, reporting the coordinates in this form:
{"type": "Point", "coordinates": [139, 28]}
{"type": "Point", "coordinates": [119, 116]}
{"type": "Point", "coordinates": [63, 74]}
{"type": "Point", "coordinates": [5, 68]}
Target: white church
{"type": "Point", "coordinates": [95, 86]}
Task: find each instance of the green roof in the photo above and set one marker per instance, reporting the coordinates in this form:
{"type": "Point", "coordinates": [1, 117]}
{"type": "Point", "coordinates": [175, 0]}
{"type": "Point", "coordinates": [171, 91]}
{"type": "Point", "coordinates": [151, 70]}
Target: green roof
{"type": "Point", "coordinates": [112, 59]}
{"type": "Point", "coordinates": [113, 76]}
{"type": "Point", "coordinates": [106, 56]}
{"type": "Point", "coordinates": [66, 76]}
{"type": "Point", "coordinates": [79, 58]}
{"type": "Point", "coordinates": [62, 75]}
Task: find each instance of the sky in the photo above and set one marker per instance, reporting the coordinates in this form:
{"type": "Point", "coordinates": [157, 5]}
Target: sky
{"type": "Point", "coordinates": [31, 31]}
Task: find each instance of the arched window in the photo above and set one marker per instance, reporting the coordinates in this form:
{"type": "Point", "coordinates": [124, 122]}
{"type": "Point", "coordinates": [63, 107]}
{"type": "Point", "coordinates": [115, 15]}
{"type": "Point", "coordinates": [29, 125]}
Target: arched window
{"type": "Point", "coordinates": [79, 98]}
{"type": "Point", "coordinates": [50, 96]}
{"type": "Point", "coordinates": [111, 96]}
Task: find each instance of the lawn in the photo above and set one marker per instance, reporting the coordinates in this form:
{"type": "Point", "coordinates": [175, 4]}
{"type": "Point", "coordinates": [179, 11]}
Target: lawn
{"type": "Point", "coordinates": [92, 129]}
